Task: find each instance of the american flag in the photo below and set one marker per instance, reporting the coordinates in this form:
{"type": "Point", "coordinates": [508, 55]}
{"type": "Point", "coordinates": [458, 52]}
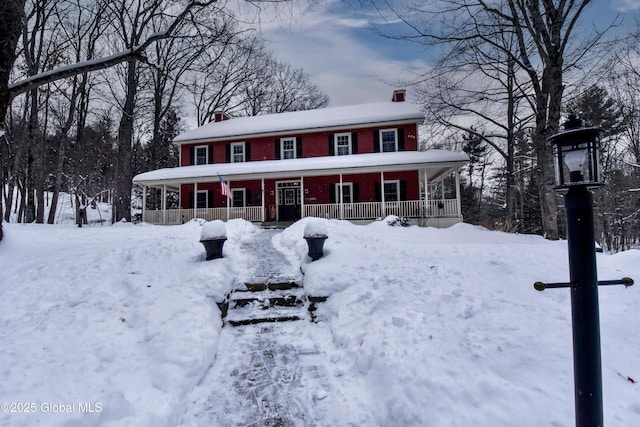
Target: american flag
{"type": "Point", "coordinates": [224, 187]}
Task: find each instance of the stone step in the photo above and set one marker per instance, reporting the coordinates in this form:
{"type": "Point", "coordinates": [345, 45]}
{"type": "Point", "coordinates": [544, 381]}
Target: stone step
{"type": "Point", "coordinates": [268, 298]}
{"type": "Point", "coordinates": [259, 285]}
{"type": "Point", "coordinates": [251, 315]}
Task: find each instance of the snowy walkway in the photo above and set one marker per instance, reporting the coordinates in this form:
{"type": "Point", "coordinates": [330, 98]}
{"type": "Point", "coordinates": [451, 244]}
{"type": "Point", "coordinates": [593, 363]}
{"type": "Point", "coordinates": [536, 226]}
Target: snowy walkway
{"type": "Point", "coordinates": [263, 263]}
{"type": "Point", "coordinates": [265, 374]}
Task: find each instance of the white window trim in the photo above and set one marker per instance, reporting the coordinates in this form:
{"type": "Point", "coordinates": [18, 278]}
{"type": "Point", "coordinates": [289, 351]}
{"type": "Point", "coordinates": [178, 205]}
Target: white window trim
{"type": "Point", "coordinates": [195, 154]}
{"type": "Point", "coordinates": [335, 142]}
{"type": "Point", "coordinates": [244, 197]}
{"type": "Point", "coordinates": [397, 183]}
{"type": "Point", "coordinates": [395, 132]}
{"type": "Point", "coordinates": [232, 157]}
{"type": "Point", "coordinates": [348, 185]}
{"type": "Point", "coordinates": [206, 198]}
{"type": "Point", "coordinates": [282, 150]}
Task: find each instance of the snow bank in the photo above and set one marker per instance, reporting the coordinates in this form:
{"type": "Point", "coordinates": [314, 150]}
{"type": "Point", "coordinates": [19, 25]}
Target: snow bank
{"type": "Point", "coordinates": [422, 326]}
{"type": "Point", "coordinates": [442, 327]}
{"type": "Point", "coordinates": [121, 316]}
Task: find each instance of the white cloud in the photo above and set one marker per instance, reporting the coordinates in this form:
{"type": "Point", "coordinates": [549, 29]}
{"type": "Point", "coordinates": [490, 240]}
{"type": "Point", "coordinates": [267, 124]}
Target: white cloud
{"type": "Point", "coordinates": [626, 5]}
{"type": "Point", "coordinates": [345, 66]}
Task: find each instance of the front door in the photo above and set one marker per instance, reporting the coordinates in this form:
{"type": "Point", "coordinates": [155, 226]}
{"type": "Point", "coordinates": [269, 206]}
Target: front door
{"type": "Point", "coordinates": [289, 201]}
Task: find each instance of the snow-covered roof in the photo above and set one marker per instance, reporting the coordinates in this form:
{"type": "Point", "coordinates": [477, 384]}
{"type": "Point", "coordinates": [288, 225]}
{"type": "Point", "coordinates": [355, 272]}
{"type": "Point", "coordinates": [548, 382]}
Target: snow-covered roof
{"type": "Point", "coordinates": [306, 121]}
{"type": "Point", "coordinates": [434, 161]}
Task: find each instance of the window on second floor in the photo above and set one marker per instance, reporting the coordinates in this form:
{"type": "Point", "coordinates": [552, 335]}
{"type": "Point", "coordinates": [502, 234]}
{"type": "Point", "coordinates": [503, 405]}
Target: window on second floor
{"type": "Point", "coordinates": [288, 148]}
{"type": "Point", "coordinates": [201, 155]}
{"type": "Point", "coordinates": [388, 140]}
{"type": "Point", "coordinates": [237, 152]}
{"type": "Point", "coordinates": [342, 144]}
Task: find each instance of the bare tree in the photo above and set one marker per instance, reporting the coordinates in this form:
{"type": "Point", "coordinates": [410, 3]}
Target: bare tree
{"type": "Point", "coordinates": [220, 73]}
{"type": "Point", "coordinates": [135, 24]}
{"type": "Point", "coordinates": [548, 45]}
{"type": "Point", "coordinates": [82, 27]}
{"type": "Point", "coordinates": [279, 87]}
{"type": "Point", "coordinates": [475, 88]}
{"type": "Point", "coordinates": [623, 80]}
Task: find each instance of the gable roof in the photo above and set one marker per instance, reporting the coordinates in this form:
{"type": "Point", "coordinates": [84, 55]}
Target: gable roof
{"type": "Point", "coordinates": [352, 116]}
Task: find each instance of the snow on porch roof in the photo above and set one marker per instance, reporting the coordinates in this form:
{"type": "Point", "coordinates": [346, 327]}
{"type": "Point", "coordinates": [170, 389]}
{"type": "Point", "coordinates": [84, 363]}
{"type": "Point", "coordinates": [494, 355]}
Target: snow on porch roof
{"type": "Point", "coordinates": [435, 161]}
{"type": "Point", "coordinates": [308, 120]}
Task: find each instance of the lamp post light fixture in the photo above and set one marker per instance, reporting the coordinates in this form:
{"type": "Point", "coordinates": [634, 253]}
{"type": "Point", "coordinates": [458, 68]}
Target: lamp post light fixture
{"type": "Point", "coordinates": [576, 155]}
{"type": "Point", "coordinates": [577, 169]}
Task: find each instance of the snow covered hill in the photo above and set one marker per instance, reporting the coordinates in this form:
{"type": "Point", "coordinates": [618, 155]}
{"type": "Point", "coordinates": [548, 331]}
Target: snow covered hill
{"type": "Point", "coordinates": [116, 325]}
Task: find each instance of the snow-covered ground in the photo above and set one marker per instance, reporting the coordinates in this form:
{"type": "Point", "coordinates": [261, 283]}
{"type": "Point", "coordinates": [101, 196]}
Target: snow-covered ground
{"type": "Point", "coordinates": [117, 325]}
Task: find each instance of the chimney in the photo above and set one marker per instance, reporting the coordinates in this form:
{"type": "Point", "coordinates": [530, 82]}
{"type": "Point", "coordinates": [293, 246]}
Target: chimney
{"type": "Point", "coordinates": [219, 116]}
{"type": "Point", "coordinates": [398, 95]}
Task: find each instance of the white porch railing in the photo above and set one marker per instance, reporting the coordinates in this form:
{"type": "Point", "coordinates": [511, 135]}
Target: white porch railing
{"type": "Point", "coordinates": [442, 208]}
{"type": "Point", "coordinates": [362, 210]}
{"type": "Point", "coordinates": [370, 210]}
{"type": "Point", "coordinates": [179, 216]}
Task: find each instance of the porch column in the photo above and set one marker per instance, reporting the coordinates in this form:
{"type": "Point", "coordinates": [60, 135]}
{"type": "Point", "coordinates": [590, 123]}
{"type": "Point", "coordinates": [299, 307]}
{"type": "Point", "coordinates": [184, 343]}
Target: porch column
{"type": "Point", "coordinates": [164, 204]}
{"type": "Point", "coordinates": [229, 199]}
{"type": "Point", "coordinates": [262, 197]}
{"type": "Point", "coordinates": [384, 208]}
{"type": "Point", "coordinates": [426, 194]}
{"type": "Point", "coordinates": [341, 198]}
{"type": "Point", "coordinates": [195, 200]}
{"type": "Point", "coordinates": [144, 201]}
{"type": "Point", "coordinates": [302, 197]}
{"type": "Point", "coordinates": [458, 199]}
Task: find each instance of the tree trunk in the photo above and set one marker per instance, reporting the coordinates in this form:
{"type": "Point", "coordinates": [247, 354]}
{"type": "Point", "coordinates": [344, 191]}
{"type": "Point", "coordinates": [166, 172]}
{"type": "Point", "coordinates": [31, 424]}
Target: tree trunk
{"type": "Point", "coordinates": [58, 182]}
{"type": "Point", "coordinates": [11, 22]}
{"type": "Point", "coordinates": [124, 172]}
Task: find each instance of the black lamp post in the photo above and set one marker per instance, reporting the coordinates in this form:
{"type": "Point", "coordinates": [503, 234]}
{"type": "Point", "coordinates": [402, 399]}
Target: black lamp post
{"type": "Point", "coordinates": [577, 170]}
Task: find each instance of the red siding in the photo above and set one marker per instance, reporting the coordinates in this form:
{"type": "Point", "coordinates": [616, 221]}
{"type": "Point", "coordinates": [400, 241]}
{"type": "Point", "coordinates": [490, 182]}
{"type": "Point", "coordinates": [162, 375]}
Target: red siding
{"type": "Point", "coordinates": [313, 144]}
{"type": "Point", "coordinates": [317, 189]}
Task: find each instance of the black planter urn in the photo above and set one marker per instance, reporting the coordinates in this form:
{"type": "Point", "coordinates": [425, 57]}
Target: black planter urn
{"type": "Point", "coordinates": [213, 247]}
{"type": "Point", "coordinates": [316, 244]}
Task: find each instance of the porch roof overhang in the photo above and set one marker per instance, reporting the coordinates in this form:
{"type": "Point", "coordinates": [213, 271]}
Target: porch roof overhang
{"type": "Point", "coordinates": [435, 163]}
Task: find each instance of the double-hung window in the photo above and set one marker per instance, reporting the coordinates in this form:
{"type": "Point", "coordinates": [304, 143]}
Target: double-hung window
{"type": "Point", "coordinates": [238, 197]}
{"type": "Point", "coordinates": [288, 148]}
{"type": "Point", "coordinates": [347, 192]}
{"type": "Point", "coordinates": [201, 155]}
{"type": "Point", "coordinates": [237, 152]}
{"type": "Point", "coordinates": [202, 199]}
{"type": "Point", "coordinates": [342, 144]}
{"type": "Point", "coordinates": [391, 191]}
{"type": "Point", "coordinates": [388, 140]}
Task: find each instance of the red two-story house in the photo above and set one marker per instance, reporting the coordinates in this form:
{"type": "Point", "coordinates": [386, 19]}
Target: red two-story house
{"type": "Point", "coordinates": [357, 162]}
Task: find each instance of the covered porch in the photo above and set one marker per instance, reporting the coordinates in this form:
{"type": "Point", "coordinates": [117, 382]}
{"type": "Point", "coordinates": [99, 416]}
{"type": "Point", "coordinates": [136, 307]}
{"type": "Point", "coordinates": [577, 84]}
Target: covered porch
{"type": "Point", "coordinates": [401, 184]}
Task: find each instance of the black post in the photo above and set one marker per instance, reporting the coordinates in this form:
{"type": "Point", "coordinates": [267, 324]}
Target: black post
{"type": "Point", "coordinates": [587, 368]}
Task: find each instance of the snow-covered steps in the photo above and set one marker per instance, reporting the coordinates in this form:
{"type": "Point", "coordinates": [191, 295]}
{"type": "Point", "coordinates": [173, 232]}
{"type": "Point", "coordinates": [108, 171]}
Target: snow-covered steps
{"type": "Point", "coordinates": [269, 302]}
{"type": "Point", "coordinates": [253, 314]}
{"type": "Point", "coordinates": [257, 284]}
{"type": "Point", "coordinates": [268, 298]}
